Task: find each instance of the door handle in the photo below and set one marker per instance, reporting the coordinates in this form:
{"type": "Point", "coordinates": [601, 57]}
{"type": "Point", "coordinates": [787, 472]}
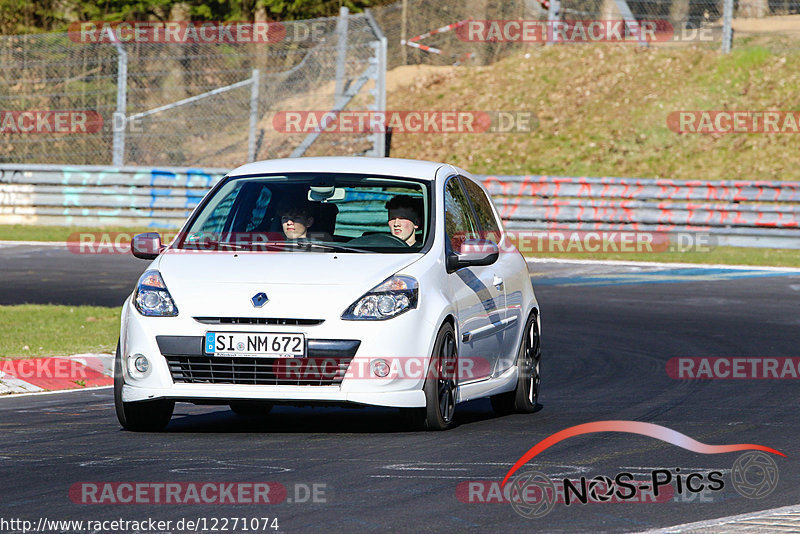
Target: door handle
{"type": "Point", "coordinates": [497, 282]}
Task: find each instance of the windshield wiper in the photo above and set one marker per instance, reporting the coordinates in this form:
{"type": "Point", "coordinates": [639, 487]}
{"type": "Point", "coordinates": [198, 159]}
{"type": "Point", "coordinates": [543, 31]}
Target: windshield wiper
{"type": "Point", "coordinates": [218, 244]}
{"type": "Point", "coordinates": [250, 245]}
{"type": "Point", "coordinates": [309, 244]}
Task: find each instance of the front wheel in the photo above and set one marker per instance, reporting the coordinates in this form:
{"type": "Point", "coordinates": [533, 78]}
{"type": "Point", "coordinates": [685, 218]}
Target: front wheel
{"type": "Point", "coordinates": [147, 416]}
{"type": "Point", "coordinates": [525, 396]}
{"type": "Point", "coordinates": [440, 383]}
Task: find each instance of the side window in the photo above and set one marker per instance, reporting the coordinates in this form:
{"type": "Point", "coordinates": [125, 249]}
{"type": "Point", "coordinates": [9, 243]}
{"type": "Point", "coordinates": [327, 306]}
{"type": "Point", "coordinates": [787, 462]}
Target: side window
{"type": "Point", "coordinates": [483, 208]}
{"type": "Point", "coordinates": [218, 215]}
{"type": "Point", "coordinates": [459, 221]}
{"type": "Point", "coordinates": [256, 218]}
{"type": "Point", "coordinates": [246, 213]}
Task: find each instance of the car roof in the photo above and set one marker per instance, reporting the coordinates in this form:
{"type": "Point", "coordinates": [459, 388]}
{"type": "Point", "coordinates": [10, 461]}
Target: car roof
{"type": "Point", "coordinates": [410, 168]}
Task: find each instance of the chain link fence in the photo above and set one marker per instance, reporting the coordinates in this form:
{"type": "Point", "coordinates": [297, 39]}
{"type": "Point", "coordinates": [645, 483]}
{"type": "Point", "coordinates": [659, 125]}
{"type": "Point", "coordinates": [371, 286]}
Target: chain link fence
{"type": "Point", "coordinates": [404, 21]}
{"type": "Point", "coordinates": [188, 103]}
{"type": "Point", "coordinates": [409, 23]}
{"type": "Point", "coordinates": [49, 72]}
{"type": "Point", "coordinates": [214, 104]}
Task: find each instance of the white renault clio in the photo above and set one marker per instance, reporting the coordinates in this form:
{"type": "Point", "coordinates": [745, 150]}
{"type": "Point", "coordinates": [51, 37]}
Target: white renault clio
{"type": "Point", "coordinates": [357, 281]}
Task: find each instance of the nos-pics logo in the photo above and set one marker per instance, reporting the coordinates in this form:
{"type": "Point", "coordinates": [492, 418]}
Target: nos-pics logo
{"type": "Point", "coordinates": [533, 494]}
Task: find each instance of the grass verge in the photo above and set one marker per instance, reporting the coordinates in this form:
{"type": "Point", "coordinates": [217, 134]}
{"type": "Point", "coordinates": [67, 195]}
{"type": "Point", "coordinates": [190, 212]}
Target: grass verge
{"type": "Point", "coordinates": [25, 232]}
{"type": "Point", "coordinates": [722, 255]}
{"type": "Point", "coordinates": [603, 111]}
{"type": "Point", "coordinates": [765, 257]}
{"type": "Point", "coordinates": [34, 330]}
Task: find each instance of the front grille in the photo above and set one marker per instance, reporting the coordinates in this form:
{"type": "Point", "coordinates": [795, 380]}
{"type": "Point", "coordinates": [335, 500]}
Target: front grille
{"type": "Point", "coordinates": [259, 320]}
{"type": "Point", "coordinates": [317, 348]}
{"type": "Point", "coordinates": [326, 371]}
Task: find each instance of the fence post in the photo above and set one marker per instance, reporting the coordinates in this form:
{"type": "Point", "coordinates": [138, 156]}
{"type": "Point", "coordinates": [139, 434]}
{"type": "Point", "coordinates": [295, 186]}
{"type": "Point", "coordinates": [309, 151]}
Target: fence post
{"type": "Point", "coordinates": [380, 97]}
{"type": "Point", "coordinates": [403, 22]}
{"type": "Point", "coordinates": [118, 150]}
{"type": "Point", "coordinates": [251, 141]}
{"type": "Point", "coordinates": [553, 15]}
{"type": "Point", "coordinates": [727, 26]}
{"type": "Point", "coordinates": [341, 57]}
{"type": "Point", "coordinates": [630, 21]}
{"type": "Point", "coordinates": [381, 47]}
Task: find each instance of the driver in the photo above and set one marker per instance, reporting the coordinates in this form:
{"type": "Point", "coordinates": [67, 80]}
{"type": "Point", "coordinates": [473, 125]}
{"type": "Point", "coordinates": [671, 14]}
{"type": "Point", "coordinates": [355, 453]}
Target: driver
{"type": "Point", "coordinates": [296, 219]}
{"type": "Point", "coordinates": [405, 217]}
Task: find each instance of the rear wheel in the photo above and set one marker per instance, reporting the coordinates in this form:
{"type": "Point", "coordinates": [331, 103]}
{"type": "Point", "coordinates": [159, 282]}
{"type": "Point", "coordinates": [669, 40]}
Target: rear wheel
{"type": "Point", "coordinates": [525, 396]}
{"type": "Point", "coordinates": [440, 383]}
{"type": "Point", "coordinates": [146, 416]}
{"type": "Point", "coordinates": [250, 409]}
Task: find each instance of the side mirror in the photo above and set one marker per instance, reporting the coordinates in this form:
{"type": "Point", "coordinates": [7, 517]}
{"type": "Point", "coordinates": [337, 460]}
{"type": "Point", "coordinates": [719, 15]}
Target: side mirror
{"type": "Point", "coordinates": [146, 246]}
{"type": "Point", "coordinates": [474, 252]}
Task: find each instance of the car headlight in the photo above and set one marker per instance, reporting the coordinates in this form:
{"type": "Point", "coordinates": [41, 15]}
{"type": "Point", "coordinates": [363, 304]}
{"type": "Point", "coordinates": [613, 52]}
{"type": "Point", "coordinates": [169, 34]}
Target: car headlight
{"type": "Point", "coordinates": [388, 299]}
{"type": "Point", "coordinates": [152, 297]}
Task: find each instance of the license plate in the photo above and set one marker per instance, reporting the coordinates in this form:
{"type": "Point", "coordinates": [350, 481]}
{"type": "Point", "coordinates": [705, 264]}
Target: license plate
{"type": "Point", "coordinates": [260, 345]}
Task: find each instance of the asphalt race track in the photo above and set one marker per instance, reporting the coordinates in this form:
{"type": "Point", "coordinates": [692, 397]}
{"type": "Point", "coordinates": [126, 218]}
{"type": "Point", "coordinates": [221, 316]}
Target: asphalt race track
{"type": "Point", "coordinates": [608, 332]}
{"type": "Point", "coordinates": [51, 274]}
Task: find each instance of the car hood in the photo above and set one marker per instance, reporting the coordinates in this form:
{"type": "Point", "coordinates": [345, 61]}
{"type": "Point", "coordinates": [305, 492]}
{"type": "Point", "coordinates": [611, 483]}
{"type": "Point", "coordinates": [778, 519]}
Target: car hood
{"type": "Point", "coordinates": [302, 285]}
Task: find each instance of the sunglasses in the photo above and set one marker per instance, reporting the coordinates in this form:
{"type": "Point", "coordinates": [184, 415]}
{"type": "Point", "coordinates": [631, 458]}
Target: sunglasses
{"type": "Point", "coordinates": [294, 218]}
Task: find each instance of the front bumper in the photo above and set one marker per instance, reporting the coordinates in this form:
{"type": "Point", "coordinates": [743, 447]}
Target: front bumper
{"type": "Point", "coordinates": [321, 394]}
{"type": "Point", "coordinates": [174, 347]}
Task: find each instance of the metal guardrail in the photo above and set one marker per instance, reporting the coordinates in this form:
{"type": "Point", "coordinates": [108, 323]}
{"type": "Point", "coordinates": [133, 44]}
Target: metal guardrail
{"type": "Point", "coordinates": [736, 213]}
{"type": "Point", "coordinates": [160, 197]}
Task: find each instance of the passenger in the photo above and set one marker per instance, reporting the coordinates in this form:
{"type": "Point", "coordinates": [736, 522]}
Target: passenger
{"type": "Point", "coordinates": [296, 219]}
{"type": "Point", "coordinates": [405, 217]}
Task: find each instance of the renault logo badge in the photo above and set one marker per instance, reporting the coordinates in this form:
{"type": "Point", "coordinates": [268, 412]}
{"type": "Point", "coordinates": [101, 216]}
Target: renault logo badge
{"type": "Point", "coordinates": [259, 299]}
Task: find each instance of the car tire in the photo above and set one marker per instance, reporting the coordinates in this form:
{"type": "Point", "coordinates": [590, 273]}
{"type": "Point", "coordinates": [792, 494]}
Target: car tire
{"type": "Point", "coordinates": [250, 409]}
{"type": "Point", "coordinates": [440, 383]}
{"type": "Point", "coordinates": [524, 397]}
{"type": "Point", "coordinates": [146, 416]}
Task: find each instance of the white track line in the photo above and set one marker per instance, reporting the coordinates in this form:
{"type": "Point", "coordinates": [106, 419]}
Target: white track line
{"type": "Point", "coordinates": [12, 385]}
{"type": "Point", "coordinates": [35, 243]}
{"type": "Point", "coordinates": [660, 264]}
{"type": "Point", "coordinates": [533, 260]}
{"type": "Point", "coordinates": [728, 521]}
{"type": "Point", "coordinates": [18, 395]}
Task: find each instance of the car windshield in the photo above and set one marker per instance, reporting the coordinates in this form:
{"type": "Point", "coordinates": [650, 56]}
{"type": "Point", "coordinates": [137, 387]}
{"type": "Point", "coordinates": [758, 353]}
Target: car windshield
{"type": "Point", "coordinates": [313, 213]}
